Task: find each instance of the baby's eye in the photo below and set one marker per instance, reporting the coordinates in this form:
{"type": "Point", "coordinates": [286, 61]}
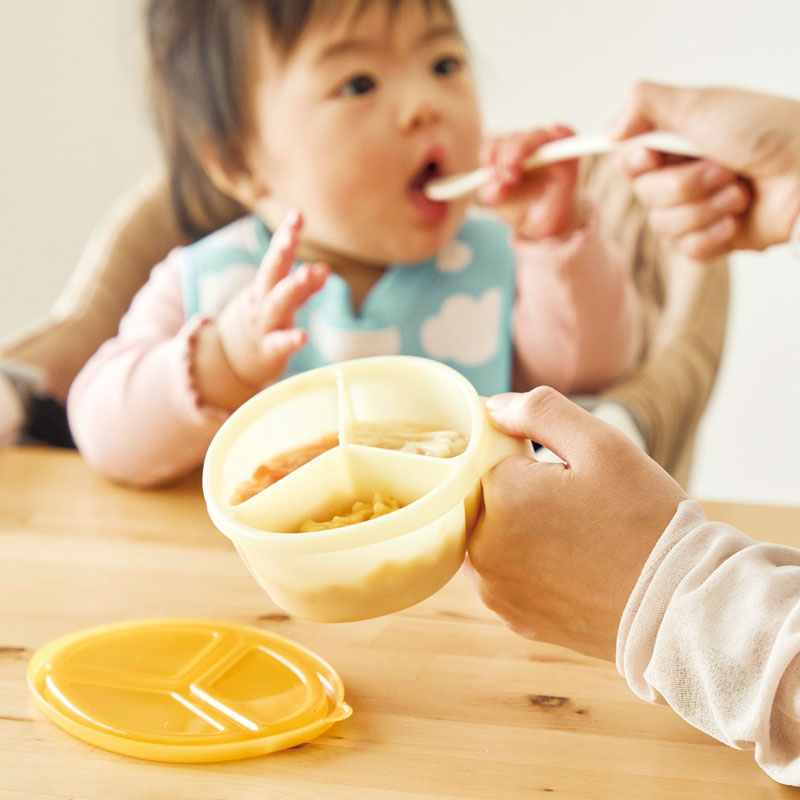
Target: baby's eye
{"type": "Point", "coordinates": [360, 84]}
{"type": "Point", "coordinates": [448, 65]}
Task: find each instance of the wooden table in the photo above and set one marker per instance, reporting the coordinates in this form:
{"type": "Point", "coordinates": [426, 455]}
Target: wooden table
{"type": "Point", "coordinates": [448, 703]}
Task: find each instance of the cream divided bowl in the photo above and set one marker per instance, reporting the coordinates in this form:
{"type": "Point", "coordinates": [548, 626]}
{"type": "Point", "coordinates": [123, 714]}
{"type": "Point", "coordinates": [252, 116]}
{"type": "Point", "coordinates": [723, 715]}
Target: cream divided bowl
{"type": "Point", "coordinates": [380, 565]}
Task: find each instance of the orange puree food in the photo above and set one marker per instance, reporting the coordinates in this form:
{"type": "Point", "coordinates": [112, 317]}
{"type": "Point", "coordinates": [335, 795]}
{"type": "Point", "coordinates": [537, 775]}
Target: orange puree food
{"type": "Point", "coordinates": [280, 466]}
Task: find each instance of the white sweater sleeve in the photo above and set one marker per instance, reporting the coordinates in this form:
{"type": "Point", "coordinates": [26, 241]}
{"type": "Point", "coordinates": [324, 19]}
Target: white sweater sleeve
{"type": "Point", "coordinates": [712, 628]}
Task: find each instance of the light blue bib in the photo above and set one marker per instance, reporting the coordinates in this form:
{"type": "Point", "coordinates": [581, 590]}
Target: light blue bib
{"type": "Point", "coordinates": [455, 307]}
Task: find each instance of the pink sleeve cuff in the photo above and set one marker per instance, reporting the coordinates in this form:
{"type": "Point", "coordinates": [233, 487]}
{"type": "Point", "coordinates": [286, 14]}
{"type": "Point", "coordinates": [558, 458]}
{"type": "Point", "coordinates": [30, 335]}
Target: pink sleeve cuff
{"type": "Point", "coordinates": [197, 409]}
{"type": "Point", "coordinates": [561, 250]}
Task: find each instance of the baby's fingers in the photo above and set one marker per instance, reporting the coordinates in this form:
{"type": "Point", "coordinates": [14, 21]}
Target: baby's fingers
{"type": "Point", "coordinates": [513, 151]}
{"type": "Point", "coordinates": [291, 293]}
{"type": "Point", "coordinates": [504, 156]}
{"type": "Point", "coordinates": [277, 347]}
{"type": "Point", "coordinates": [278, 259]}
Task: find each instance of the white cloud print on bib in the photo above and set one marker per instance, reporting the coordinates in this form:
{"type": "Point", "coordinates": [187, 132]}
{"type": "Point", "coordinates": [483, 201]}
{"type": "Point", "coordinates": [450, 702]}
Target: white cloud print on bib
{"type": "Point", "coordinates": [454, 257]}
{"type": "Point", "coordinates": [466, 329]}
{"type": "Point", "coordinates": [341, 344]}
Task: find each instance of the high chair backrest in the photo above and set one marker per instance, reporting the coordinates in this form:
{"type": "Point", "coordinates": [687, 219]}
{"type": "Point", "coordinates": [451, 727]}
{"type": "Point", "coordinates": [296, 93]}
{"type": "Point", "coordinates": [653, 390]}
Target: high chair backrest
{"type": "Point", "coordinates": [138, 232]}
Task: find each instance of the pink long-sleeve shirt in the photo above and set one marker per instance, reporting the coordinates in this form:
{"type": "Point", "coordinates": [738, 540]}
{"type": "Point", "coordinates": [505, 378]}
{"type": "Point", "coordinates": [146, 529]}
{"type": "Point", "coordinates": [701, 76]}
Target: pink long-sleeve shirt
{"type": "Point", "coordinates": [136, 415]}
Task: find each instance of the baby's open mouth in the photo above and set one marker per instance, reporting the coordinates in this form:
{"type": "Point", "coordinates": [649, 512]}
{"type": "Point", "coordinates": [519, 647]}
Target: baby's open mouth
{"type": "Point", "coordinates": [430, 170]}
{"type": "Point", "coordinates": [429, 211]}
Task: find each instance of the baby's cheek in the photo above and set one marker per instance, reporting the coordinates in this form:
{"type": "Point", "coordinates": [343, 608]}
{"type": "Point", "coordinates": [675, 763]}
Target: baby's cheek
{"type": "Point", "coordinates": [356, 177]}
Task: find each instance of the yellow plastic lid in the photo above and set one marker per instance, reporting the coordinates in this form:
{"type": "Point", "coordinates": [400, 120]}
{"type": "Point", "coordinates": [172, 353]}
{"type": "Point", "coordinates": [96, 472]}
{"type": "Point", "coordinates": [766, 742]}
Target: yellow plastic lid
{"type": "Point", "coordinates": [186, 690]}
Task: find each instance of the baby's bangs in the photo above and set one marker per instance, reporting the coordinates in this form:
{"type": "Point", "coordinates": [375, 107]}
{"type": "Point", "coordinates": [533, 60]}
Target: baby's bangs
{"type": "Point", "coordinates": [360, 6]}
{"type": "Point", "coordinates": [287, 20]}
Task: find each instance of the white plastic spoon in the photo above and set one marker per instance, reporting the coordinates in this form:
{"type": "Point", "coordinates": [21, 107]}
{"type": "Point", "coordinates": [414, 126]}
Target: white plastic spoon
{"type": "Point", "coordinates": [454, 186]}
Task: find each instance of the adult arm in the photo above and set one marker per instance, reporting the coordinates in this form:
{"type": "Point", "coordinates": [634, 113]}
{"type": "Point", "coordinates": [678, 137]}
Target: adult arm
{"type": "Point", "coordinates": [712, 628]}
{"type": "Point", "coordinates": [604, 554]}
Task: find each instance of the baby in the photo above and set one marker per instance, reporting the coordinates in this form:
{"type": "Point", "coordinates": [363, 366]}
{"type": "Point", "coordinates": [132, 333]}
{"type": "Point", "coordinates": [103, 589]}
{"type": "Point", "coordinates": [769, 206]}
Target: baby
{"type": "Point", "coordinates": [324, 120]}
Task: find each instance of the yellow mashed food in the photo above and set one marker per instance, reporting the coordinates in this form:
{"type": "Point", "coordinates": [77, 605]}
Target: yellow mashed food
{"type": "Point", "coordinates": [360, 512]}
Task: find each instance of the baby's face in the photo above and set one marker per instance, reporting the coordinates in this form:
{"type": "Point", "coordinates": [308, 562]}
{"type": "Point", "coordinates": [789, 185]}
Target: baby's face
{"type": "Point", "coordinates": [364, 111]}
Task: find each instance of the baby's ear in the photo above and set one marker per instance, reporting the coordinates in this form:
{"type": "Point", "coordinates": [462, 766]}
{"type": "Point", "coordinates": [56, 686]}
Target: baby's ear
{"type": "Point", "coordinates": [231, 176]}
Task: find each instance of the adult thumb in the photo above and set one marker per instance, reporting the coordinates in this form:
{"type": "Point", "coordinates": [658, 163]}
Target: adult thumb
{"type": "Point", "coordinates": [654, 105]}
{"type": "Point", "coordinates": [547, 417]}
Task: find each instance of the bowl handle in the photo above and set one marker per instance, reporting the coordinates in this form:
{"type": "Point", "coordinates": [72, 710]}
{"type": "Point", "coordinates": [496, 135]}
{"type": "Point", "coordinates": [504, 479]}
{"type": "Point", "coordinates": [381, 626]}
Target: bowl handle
{"type": "Point", "coordinates": [497, 446]}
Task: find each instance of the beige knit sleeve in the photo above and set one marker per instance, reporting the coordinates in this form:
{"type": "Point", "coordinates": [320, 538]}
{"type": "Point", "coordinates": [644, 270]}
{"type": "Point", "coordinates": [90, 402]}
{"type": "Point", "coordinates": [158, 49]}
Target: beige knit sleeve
{"type": "Point", "coordinates": [135, 235]}
{"type": "Point", "coordinates": [685, 303]}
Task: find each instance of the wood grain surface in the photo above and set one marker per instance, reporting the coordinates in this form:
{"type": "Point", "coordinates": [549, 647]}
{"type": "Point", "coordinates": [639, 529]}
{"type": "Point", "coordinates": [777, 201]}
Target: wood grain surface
{"type": "Point", "coordinates": [447, 702]}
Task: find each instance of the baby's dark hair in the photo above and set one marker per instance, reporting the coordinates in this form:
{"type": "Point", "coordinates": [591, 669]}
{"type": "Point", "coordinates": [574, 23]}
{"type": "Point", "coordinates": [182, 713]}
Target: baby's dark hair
{"type": "Point", "coordinates": [199, 66]}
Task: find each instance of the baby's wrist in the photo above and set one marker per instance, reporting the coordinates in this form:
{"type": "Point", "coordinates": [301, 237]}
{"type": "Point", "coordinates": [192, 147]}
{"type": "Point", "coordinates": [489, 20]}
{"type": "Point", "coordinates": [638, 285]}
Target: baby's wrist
{"type": "Point", "coordinates": [575, 221]}
{"type": "Point", "coordinates": [218, 383]}
{"type": "Point", "coordinates": [579, 218]}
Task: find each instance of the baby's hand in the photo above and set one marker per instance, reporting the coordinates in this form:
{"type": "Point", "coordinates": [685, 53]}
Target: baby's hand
{"type": "Point", "coordinates": [698, 205]}
{"type": "Point", "coordinates": [256, 328]}
{"type": "Point", "coordinates": [537, 203]}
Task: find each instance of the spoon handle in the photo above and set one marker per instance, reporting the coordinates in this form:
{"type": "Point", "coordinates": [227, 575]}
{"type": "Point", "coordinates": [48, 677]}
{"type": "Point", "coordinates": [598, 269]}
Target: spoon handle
{"type": "Point", "coordinates": [562, 149]}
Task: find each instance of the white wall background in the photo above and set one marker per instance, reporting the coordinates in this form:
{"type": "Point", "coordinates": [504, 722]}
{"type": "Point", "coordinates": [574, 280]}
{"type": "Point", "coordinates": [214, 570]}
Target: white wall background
{"type": "Point", "coordinates": [75, 133]}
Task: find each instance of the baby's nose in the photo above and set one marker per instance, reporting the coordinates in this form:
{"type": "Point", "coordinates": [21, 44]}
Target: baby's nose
{"type": "Point", "coordinates": [418, 113]}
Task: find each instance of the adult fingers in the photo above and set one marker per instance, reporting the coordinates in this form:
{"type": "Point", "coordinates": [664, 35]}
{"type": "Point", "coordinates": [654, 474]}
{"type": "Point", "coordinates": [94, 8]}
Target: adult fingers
{"type": "Point", "coordinates": [716, 239]}
{"type": "Point", "coordinates": [654, 105]}
{"type": "Point", "coordinates": [546, 416]}
{"type": "Point", "coordinates": [676, 221]}
{"type": "Point", "coordinates": [681, 183]}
